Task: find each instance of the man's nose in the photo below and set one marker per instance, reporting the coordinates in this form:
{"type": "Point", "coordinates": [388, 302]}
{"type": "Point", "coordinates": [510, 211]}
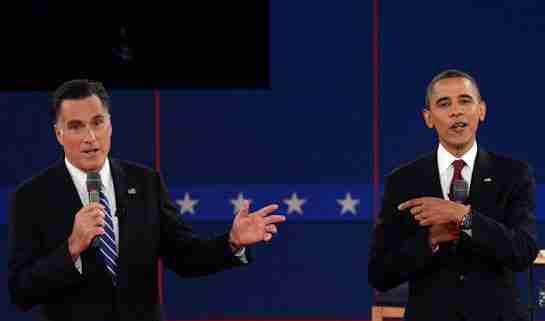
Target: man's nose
{"type": "Point", "coordinates": [457, 109]}
{"type": "Point", "coordinates": [89, 134]}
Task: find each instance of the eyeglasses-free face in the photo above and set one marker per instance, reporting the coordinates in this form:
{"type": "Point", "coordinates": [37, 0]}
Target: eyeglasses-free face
{"type": "Point", "coordinates": [84, 129]}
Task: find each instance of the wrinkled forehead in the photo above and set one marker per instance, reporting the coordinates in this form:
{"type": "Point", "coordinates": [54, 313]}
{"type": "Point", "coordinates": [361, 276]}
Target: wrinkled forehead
{"type": "Point", "coordinates": [454, 88]}
{"type": "Point", "coordinates": [84, 109]}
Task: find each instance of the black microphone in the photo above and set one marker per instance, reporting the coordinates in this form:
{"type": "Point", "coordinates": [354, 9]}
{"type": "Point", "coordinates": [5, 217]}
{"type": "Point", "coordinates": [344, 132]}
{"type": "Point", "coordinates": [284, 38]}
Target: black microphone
{"type": "Point", "coordinates": [93, 188]}
{"type": "Point", "coordinates": [459, 190]}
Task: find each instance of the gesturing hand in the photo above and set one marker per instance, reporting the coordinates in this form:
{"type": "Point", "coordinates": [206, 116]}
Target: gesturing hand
{"type": "Point", "coordinates": [432, 210]}
{"type": "Point", "coordinates": [251, 228]}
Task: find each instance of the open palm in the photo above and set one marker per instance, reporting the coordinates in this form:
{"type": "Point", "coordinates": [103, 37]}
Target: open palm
{"type": "Point", "coordinates": [250, 228]}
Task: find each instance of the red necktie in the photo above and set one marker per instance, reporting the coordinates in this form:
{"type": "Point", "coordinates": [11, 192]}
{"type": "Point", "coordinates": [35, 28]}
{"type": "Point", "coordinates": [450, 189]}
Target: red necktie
{"type": "Point", "coordinates": [458, 165]}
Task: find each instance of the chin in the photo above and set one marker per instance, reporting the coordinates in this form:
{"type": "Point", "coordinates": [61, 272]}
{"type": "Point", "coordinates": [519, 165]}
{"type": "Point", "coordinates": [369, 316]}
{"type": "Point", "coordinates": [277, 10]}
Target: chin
{"type": "Point", "coordinates": [92, 166]}
{"type": "Point", "coordinates": [460, 145]}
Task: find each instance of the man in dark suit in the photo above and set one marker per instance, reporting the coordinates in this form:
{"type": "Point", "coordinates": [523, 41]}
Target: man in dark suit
{"type": "Point", "coordinates": [456, 224]}
{"type": "Point", "coordinates": [83, 260]}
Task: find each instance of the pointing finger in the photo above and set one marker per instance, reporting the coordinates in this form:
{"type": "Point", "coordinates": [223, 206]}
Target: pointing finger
{"type": "Point", "coordinates": [267, 210]}
{"type": "Point", "coordinates": [273, 219]}
{"type": "Point", "coordinates": [411, 203]}
{"type": "Point", "coordinates": [417, 209]}
{"type": "Point", "coordinates": [407, 204]}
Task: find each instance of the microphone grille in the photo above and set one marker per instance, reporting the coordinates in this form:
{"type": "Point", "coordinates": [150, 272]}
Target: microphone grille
{"type": "Point", "coordinates": [93, 182]}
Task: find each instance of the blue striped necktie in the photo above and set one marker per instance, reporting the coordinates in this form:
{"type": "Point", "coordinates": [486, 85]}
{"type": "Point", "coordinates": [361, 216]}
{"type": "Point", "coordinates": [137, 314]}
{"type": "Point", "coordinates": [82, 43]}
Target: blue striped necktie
{"type": "Point", "coordinates": [108, 247]}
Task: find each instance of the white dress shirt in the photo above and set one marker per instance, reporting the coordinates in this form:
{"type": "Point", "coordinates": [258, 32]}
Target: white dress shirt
{"type": "Point", "coordinates": [79, 178]}
{"type": "Point", "coordinates": [446, 169]}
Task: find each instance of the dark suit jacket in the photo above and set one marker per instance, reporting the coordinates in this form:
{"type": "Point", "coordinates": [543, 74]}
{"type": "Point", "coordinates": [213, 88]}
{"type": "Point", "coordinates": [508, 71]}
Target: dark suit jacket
{"type": "Point", "coordinates": [41, 271]}
{"type": "Point", "coordinates": [474, 278]}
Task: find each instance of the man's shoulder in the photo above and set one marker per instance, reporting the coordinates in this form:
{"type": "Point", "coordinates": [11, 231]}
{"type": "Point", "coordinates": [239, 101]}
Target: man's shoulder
{"type": "Point", "coordinates": [131, 166]}
{"type": "Point", "coordinates": [131, 169]}
{"type": "Point", "coordinates": [505, 164]}
{"type": "Point", "coordinates": [423, 163]}
{"type": "Point", "coordinates": [43, 179]}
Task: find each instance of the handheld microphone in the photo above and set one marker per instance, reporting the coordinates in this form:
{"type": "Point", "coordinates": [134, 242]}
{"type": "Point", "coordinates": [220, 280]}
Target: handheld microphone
{"type": "Point", "coordinates": [93, 188]}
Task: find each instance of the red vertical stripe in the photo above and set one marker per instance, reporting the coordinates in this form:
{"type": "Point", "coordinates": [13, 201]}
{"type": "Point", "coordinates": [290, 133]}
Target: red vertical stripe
{"type": "Point", "coordinates": [157, 103]}
{"type": "Point", "coordinates": [376, 107]}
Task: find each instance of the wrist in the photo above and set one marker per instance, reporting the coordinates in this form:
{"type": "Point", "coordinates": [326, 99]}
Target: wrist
{"type": "Point", "coordinates": [464, 222]}
{"type": "Point", "coordinates": [432, 242]}
{"type": "Point", "coordinates": [73, 249]}
{"type": "Point", "coordinates": [233, 243]}
{"type": "Point", "coordinates": [466, 210]}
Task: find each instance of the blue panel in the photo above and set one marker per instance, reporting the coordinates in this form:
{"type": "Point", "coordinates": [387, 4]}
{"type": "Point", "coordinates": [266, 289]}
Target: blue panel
{"type": "Point", "coordinates": [30, 141]}
{"type": "Point", "coordinates": [497, 42]}
{"type": "Point", "coordinates": [309, 271]}
{"type": "Point", "coordinates": [5, 198]}
{"type": "Point", "coordinates": [321, 202]}
{"type": "Point", "coordinates": [313, 126]}
{"type": "Point", "coordinates": [133, 121]}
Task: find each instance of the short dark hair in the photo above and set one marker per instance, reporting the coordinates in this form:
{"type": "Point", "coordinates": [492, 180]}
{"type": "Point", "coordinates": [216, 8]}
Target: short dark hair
{"type": "Point", "coordinates": [450, 73]}
{"type": "Point", "coordinates": [78, 89]}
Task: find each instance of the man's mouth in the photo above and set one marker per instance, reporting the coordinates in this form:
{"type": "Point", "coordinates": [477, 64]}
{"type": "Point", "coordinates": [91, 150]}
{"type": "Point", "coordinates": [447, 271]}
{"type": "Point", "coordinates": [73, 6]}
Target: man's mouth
{"type": "Point", "coordinates": [91, 152]}
{"type": "Point", "coordinates": [459, 126]}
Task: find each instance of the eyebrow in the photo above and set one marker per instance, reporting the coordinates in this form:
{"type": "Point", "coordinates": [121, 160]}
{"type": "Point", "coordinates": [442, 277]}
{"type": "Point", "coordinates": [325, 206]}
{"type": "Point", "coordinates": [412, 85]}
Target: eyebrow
{"type": "Point", "coordinates": [73, 121]}
{"type": "Point", "coordinates": [466, 96]}
{"type": "Point", "coordinates": [442, 99]}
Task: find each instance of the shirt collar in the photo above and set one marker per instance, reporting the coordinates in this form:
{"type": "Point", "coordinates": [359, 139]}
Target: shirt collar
{"type": "Point", "coordinates": [445, 159]}
{"type": "Point", "coordinates": [81, 177]}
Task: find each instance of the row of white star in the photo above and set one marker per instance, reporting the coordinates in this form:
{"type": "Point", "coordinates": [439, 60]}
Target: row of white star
{"type": "Point", "coordinates": [295, 204]}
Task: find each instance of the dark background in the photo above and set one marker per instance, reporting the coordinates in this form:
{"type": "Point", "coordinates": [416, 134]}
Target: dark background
{"type": "Point", "coordinates": [193, 44]}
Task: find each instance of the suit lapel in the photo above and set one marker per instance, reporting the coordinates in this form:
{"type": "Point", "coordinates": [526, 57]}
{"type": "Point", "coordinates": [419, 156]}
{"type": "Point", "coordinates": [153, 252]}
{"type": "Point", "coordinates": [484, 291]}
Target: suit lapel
{"type": "Point", "coordinates": [482, 180]}
{"type": "Point", "coordinates": [66, 189]}
{"type": "Point", "coordinates": [431, 180]}
{"type": "Point", "coordinates": [120, 185]}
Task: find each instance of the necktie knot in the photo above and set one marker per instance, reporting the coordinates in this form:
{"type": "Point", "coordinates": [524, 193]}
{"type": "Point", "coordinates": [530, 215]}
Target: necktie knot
{"type": "Point", "coordinates": [458, 166]}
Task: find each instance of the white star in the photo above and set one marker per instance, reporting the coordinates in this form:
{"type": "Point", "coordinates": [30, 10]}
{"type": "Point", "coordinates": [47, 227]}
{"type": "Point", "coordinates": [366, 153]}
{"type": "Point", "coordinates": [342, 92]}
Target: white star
{"type": "Point", "coordinates": [348, 204]}
{"type": "Point", "coordinates": [238, 202]}
{"type": "Point", "coordinates": [187, 204]}
{"type": "Point", "coordinates": [294, 204]}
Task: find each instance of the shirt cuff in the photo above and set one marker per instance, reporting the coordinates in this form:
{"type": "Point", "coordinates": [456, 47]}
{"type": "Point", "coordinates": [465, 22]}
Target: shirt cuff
{"type": "Point", "coordinates": [78, 265]}
{"type": "Point", "coordinates": [241, 255]}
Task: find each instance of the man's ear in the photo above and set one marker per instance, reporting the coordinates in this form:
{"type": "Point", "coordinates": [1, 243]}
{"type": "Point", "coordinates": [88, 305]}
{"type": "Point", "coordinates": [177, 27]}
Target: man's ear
{"type": "Point", "coordinates": [58, 134]}
{"type": "Point", "coordinates": [482, 110]}
{"type": "Point", "coordinates": [426, 114]}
